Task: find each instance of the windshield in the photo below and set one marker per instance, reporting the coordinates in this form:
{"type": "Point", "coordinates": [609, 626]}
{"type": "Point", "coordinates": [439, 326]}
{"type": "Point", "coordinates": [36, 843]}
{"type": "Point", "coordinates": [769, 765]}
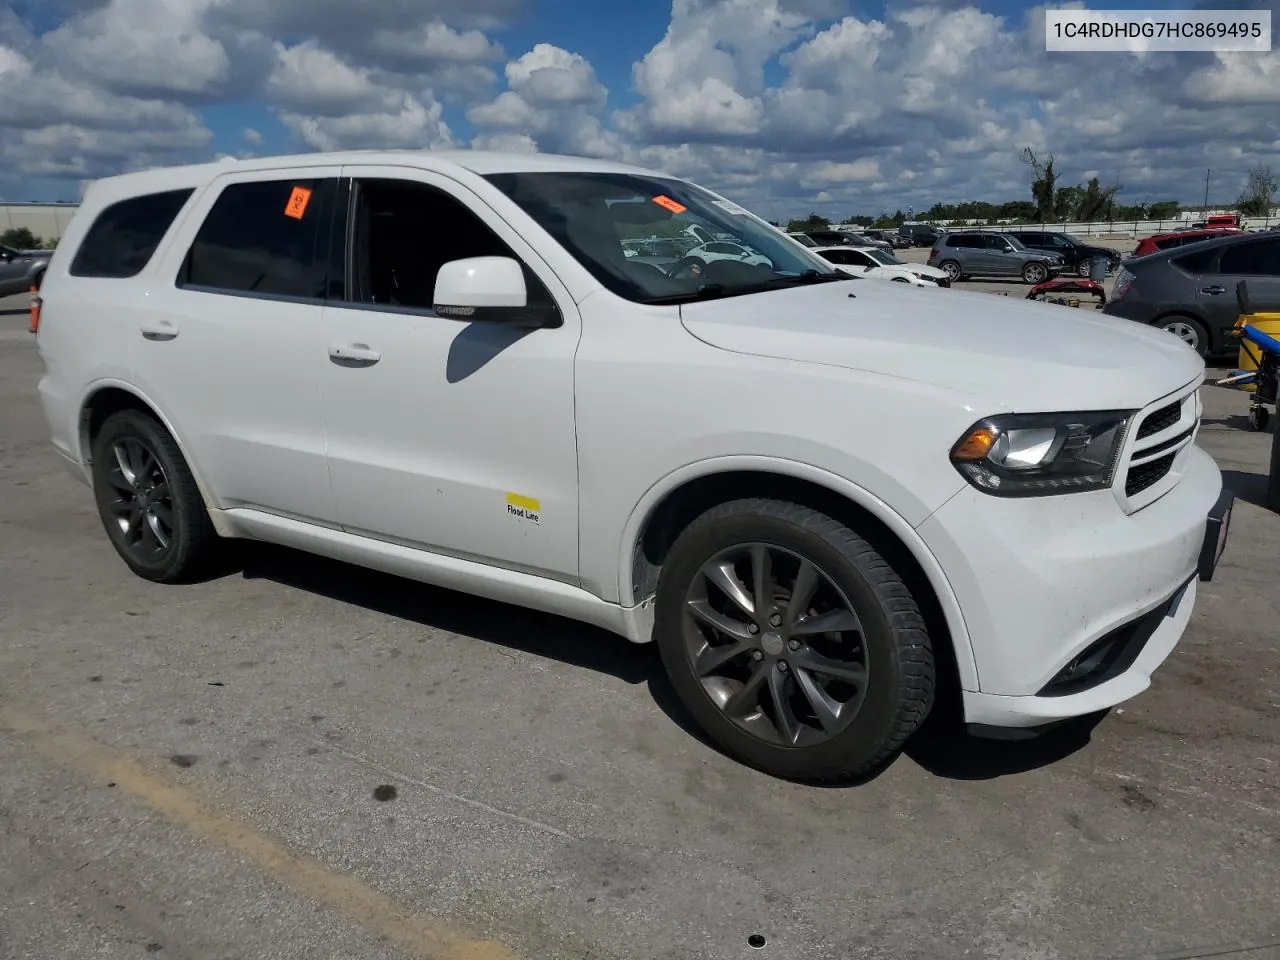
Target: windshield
{"type": "Point", "coordinates": [884, 256]}
{"type": "Point", "coordinates": [657, 240]}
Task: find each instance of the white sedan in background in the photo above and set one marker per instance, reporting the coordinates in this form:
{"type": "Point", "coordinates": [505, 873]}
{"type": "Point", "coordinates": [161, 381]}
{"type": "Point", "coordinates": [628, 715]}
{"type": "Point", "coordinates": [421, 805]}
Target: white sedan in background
{"type": "Point", "coordinates": [726, 250]}
{"type": "Point", "coordinates": [877, 264]}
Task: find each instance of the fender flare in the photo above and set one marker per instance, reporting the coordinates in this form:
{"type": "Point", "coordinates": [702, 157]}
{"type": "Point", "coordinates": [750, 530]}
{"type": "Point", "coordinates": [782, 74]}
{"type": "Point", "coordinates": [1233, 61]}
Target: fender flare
{"type": "Point", "coordinates": [111, 383]}
{"type": "Point", "coordinates": [904, 531]}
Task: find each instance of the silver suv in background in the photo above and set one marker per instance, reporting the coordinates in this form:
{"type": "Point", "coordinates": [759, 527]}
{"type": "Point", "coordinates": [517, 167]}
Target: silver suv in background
{"type": "Point", "coordinates": [976, 253]}
{"type": "Point", "coordinates": [20, 270]}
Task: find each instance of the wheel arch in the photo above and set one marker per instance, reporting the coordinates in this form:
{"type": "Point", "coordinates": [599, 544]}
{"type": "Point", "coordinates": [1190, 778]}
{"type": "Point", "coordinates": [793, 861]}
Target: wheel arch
{"type": "Point", "coordinates": [111, 396]}
{"type": "Point", "coordinates": [671, 505]}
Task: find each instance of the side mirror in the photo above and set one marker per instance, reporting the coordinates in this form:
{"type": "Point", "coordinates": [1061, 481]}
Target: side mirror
{"type": "Point", "coordinates": [488, 290]}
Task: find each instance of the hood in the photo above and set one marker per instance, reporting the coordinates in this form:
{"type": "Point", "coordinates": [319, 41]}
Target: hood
{"type": "Point", "coordinates": [1017, 355]}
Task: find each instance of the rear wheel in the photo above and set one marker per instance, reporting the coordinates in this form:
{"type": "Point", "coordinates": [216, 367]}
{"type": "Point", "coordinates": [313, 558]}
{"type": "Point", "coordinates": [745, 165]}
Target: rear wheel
{"type": "Point", "coordinates": [148, 500]}
{"type": "Point", "coordinates": [792, 642]}
{"type": "Point", "coordinates": [1189, 330]}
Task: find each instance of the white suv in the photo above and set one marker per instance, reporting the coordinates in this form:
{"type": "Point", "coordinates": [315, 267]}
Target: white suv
{"type": "Point", "coordinates": [827, 500]}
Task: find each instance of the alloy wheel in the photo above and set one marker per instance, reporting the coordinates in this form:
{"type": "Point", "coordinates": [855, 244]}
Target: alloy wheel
{"type": "Point", "coordinates": [1184, 332]}
{"type": "Point", "coordinates": [1035, 273]}
{"type": "Point", "coordinates": [140, 502]}
{"type": "Point", "coordinates": [775, 644]}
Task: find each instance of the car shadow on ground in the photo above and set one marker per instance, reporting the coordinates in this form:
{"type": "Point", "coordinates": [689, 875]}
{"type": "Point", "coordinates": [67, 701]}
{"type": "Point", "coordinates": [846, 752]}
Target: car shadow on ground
{"type": "Point", "coordinates": [1249, 487]}
{"type": "Point", "coordinates": [15, 311]}
{"type": "Point", "coordinates": [941, 747]}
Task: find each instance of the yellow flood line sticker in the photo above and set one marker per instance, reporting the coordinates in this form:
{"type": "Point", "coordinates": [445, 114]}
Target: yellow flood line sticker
{"type": "Point", "coordinates": [374, 911]}
{"type": "Point", "coordinates": [524, 508]}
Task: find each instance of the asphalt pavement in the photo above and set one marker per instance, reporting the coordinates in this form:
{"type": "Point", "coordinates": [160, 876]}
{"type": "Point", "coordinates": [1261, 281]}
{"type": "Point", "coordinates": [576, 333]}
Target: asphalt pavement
{"type": "Point", "coordinates": [301, 759]}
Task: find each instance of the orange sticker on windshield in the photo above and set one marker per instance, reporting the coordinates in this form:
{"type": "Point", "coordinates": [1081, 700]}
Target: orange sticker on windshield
{"type": "Point", "coordinates": [670, 204]}
{"type": "Point", "coordinates": [298, 201]}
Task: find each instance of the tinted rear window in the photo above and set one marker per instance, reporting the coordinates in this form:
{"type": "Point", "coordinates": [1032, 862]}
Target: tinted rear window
{"type": "Point", "coordinates": [263, 237]}
{"type": "Point", "coordinates": [125, 235]}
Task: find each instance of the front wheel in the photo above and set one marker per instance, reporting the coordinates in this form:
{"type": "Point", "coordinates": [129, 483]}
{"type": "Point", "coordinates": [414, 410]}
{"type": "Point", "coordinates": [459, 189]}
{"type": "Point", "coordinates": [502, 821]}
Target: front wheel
{"type": "Point", "coordinates": [1035, 273]}
{"type": "Point", "coordinates": [792, 642]}
{"type": "Point", "coordinates": [1190, 331]}
{"type": "Point", "coordinates": [148, 500]}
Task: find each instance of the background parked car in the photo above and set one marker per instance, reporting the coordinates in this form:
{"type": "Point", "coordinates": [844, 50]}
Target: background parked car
{"type": "Point", "coordinates": [920, 234]}
{"type": "Point", "coordinates": [21, 269]}
{"type": "Point", "coordinates": [882, 265]}
{"type": "Point", "coordinates": [830, 238]}
{"type": "Point", "coordinates": [1077, 256]}
{"type": "Point", "coordinates": [866, 240]}
{"type": "Point", "coordinates": [1191, 292]}
{"type": "Point", "coordinates": [988, 254]}
{"type": "Point", "coordinates": [803, 239]}
{"type": "Point", "coordinates": [891, 237]}
{"type": "Point", "coordinates": [1167, 241]}
{"type": "Point", "coordinates": [726, 250]}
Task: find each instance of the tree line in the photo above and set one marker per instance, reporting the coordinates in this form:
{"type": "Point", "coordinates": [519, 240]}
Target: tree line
{"type": "Point", "coordinates": [1053, 202]}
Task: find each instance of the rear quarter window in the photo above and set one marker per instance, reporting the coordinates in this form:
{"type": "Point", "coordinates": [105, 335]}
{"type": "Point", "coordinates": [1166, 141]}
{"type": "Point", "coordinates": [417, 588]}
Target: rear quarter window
{"type": "Point", "coordinates": [123, 238]}
{"type": "Point", "coordinates": [1199, 262]}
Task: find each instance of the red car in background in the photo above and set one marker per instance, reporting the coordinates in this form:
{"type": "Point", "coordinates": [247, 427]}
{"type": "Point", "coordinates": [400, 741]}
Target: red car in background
{"type": "Point", "coordinates": [1165, 241]}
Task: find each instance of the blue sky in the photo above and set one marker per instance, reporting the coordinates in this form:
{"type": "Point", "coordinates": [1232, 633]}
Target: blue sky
{"type": "Point", "coordinates": [788, 105]}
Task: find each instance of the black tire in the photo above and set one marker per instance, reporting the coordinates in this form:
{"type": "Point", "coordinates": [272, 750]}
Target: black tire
{"type": "Point", "coordinates": [192, 543]}
{"type": "Point", "coordinates": [898, 693]}
{"type": "Point", "coordinates": [1035, 272]}
{"type": "Point", "coordinates": [1189, 330]}
{"type": "Point", "coordinates": [1258, 418]}
{"type": "Point", "coordinates": [900, 280]}
{"type": "Point", "coordinates": [952, 269]}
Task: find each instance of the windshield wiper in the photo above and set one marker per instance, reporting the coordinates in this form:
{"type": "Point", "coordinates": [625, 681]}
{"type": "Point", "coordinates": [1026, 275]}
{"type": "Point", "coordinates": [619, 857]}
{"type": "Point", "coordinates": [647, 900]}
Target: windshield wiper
{"type": "Point", "coordinates": [809, 276]}
{"type": "Point", "coordinates": [708, 291]}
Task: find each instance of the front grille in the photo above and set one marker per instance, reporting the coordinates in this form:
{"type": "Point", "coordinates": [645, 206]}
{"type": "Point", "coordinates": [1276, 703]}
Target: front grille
{"type": "Point", "coordinates": [1147, 474]}
{"type": "Point", "coordinates": [1161, 420]}
{"type": "Point", "coordinates": [1151, 465]}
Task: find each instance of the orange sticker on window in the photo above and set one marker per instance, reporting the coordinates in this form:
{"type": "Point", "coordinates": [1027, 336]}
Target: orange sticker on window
{"type": "Point", "coordinates": [670, 204]}
{"type": "Point", "coordinates": [298, 201]}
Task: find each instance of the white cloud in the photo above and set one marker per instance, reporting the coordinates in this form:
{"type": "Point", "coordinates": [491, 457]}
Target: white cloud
{"type": "Point", "coordinates": [553, 100]}
{"type": "Point", "coordinates": [252, 136]}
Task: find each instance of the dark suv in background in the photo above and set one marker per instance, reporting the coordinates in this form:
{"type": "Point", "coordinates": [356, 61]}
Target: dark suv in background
{"type": "Point", "coordinates": [920, 234]}
{"type": "Point", "coordinates": [1077, 256]}
{"type": "Point", "coordinates": [1191, 291]}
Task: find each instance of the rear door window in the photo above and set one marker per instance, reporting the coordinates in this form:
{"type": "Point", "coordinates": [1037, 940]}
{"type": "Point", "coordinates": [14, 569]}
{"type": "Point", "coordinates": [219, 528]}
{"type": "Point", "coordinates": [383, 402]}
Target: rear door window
{"type": "Point", "coordinates": [125, 235]}
{"type": "Point", "coordinates": [264, 238]}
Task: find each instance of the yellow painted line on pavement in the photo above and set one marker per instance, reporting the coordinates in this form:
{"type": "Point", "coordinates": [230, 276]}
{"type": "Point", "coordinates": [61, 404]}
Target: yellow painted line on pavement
{"type": "Point", "coordinates": [375, 912]}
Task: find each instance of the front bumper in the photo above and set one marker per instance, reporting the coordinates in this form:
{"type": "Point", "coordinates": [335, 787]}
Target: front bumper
{"type": "Point", "coordinates": [1042, 580]}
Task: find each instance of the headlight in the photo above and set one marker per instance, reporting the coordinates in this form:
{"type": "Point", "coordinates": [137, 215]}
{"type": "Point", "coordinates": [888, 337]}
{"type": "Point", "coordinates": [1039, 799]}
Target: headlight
{"type": "Point", "coordinates": [1028, 455]}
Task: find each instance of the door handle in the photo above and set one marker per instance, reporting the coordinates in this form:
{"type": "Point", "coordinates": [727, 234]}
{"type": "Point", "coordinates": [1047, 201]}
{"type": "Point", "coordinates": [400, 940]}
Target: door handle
{"type": "Point", "coordinates": [354, 355]}
{"type": "Point", "coordinates": [161, 331]}
{"type": "Point", "coordinates": [1213, 290]}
